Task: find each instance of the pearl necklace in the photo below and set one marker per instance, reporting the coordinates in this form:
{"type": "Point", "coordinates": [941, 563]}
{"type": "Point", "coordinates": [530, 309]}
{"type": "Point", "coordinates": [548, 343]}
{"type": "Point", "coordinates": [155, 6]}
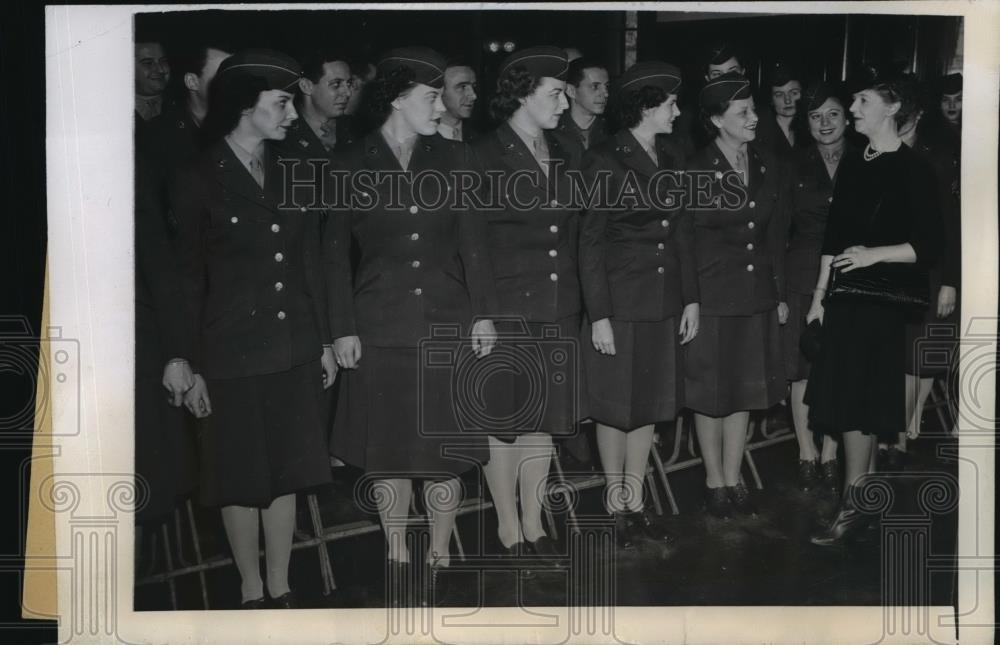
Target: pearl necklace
{"type": "Point", "coordinates": [871, 153]}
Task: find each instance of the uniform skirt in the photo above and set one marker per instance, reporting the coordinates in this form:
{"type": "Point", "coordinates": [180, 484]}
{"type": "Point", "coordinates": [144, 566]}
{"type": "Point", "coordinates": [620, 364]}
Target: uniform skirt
{"type": "Point", "coordinates": [796, 365]}
{"type": "Point", "coordinates": [643, 382]}
{"type": "Point", "coordinates": [857, 381]}
{"type": "Point", "coordinates": [166, 455]}
{"type": "Point", "coordinates": [265, 437]}
{"type": "Point", "coordinates": [402, 413]}
{"type": "Point", "coordinates": [734, 364]}
{"type": "Point", "coordinates": [533, 381]}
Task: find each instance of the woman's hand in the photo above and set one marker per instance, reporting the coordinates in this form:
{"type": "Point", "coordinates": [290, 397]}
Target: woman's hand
{"type": "Point", "coordinates": [782, 313]}
{"type": "Point", "coordinates": [484, 338]}
{"type": "Point", "coordinates": [602, 336]}
{"type": "Point", "coordinates": [347, 351]}
{"type": "Point", "coordinates": [947, 297]}
{"type": "Point", "coordinates": [196, 399]}
{"type": "Point", "coordinates": [329, 363]}
{"type": "Point", "coordinates": [815, 311]}
{"type": "Point", "coordinates": [689, 323]}
{"type": "Point", "coordinates": [856, 257]}
{"type": "Point", "coordinates": [178, 379]}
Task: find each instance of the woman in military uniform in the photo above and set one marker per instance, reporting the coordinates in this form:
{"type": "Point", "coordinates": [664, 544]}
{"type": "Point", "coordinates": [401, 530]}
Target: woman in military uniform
{"type": "Point", "coordinates": [822, 119]}
{"type": "Point", "coordinates": [533, 237]}
{"type": "Point", "coordinates": [421, 269]}
{"type": "Point", "coordinates": [255, 324]}
{"type": "Point", "coordinates": [640, 286]}
{"type": "Point", "coordinates": [734, 364]}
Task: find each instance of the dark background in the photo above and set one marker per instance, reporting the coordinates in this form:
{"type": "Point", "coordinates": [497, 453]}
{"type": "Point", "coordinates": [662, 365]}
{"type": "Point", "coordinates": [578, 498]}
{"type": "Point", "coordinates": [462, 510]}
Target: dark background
{"type": "Point", "coordinates": [815, 40]}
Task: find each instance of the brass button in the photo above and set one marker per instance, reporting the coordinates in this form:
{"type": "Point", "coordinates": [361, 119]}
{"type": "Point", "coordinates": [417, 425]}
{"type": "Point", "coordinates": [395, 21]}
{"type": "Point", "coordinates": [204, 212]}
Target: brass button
{"type": "Point", "coordinates": [415, 264]}
{"type": "Point", "coordinates": [302, 208]}
{"type": "Point", "coordinates": [278, 286]}
{"type": "Point", "coordinates": [661, 246]}
{"type": "Point", "coordinates": [750, 246]}
{"type": "Point", "coordinates": [749, 267]}
{"type": "Point", "coordinates": [275, 228]}
{"type": "Point", "coordinates": [278, 257]}
{"type": "Point", "coordinates": [554, 203]}
{"type": "Point", "coordinates": [752, 204]}
{"type": "Point", "coordinates": [664, 223]}
{"type": "Point", "coordinates": [829, 199]}
{"type": "Point", "coordinates": [750, 225]}
{"type": "Point", "coordinates": [659, 269]}
{"type": "Point", "coordinates": [281, 315]}
{"type": "Point", "coordinates": [413, 210]}
{"type": "Point", "coordinates": [553, 253]}
{"type": "Point", "coordinates": [553, 229]}
{"type": "Point", "coordinates": [418, 291]}
{"type": "Point", "coordinates": [415, 236]}
{"type": "Point", "coordinates": [234, 219]}
{"type": "Point", "coordinates": [553, 277]}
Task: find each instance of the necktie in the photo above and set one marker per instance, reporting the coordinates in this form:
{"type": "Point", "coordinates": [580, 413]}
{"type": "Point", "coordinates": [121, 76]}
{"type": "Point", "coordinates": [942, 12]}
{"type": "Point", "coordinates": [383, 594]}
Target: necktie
{"type": "Point", "coordinates": [257, 170]}
{"type": "Point", "coordinates": [328, 134]}
{"type": "Point", "coordinates": [741, 166]}
{"type": "Point", "coordinates": [541, 152]}
{"type": "Point", "coordinates": [652, 155]}
{"type": "Point", "coordinates": [405, 152]}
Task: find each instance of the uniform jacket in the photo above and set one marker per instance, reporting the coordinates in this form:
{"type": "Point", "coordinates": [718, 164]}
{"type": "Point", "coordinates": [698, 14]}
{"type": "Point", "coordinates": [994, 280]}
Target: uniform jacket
{"type": "Point", "coordinates": [636, 263]}
{"type": "Point", "coordinates": [533, 229]}
{"type": "Point", "coordinates": [740, 234]}
{"type": "Point", "coordinates": [599, 131]}
{"type": "Point", "coordinates": [812, 192]}
{"type": "Point", "coordinates": [251, 277]}
{"type": "Point", "coordinates": [770, 137]}
{"type": "Point", "coordinates": [417, 265]}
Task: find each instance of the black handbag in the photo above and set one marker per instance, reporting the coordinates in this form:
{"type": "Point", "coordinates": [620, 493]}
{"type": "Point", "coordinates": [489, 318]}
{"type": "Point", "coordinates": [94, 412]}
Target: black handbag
{"type": "Point", "coordinates": [906, 289]}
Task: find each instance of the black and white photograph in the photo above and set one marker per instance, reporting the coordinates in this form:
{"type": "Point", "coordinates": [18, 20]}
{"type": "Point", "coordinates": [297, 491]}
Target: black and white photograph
{"type": "Point", "coordinates": [600, 317]}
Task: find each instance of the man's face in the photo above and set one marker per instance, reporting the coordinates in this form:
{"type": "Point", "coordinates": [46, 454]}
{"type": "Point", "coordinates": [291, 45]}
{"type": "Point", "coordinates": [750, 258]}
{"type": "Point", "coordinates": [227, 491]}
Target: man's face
{"type": "Point", "coordinates": [731, 65]}
{"type": "Point", "coordinates": [329, 96]}
{"type": "Point", "coordinates": [459, 94]}
{"type": "Point", "coordinates": [784, 97]}
{"type": "Point", "coordinates": [152, 70]}
{"type": "Point", "coordinates": [592, 92]}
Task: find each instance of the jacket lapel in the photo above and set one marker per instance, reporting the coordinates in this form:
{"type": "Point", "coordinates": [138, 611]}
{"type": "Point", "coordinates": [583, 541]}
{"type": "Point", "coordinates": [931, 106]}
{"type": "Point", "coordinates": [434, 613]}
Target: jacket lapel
{"type": "Point", "coordinates": [234, 177]}
{"type": "Point", "coordinates": [514, 152]}
{"type": "Point", "coordinates": [757, 169]}
{"type": "Point", "coordinates": [633, 155]}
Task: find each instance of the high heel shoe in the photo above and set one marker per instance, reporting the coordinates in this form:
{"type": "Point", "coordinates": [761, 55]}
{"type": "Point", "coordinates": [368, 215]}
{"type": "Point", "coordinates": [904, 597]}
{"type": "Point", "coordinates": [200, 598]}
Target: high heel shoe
{"type": "Point", "coordinates": [740, 498]}
{"type": "Point", "coordinates": [643, 527]}
{"type": "Point", "coordinates": [848, 523]}
{"type": "Point", "coordinates": [285, 601]}
{"type": "Point", "coordinates": [809, 477]}
{"type": "Point", "coordinates": [717, 502]}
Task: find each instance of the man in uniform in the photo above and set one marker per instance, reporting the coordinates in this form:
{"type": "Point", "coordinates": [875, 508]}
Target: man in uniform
{"type": "Point", "coordinates": [152, 74]}
{"type": "Point", "coordinates": [324, 92]}
{"type": "Point", "coordinates": [587, 91]}
{"type": "Point", "coordinates": [459, 98]}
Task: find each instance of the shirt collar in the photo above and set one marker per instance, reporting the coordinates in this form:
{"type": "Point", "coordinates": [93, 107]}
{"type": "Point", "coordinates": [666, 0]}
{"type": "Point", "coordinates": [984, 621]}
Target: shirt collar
{"type": "Point", "coordinates": [453, 132]}
{"type": "Point", "coordinates": [527, 138]}
{"type": "Point", "coordinates": [244, 155]}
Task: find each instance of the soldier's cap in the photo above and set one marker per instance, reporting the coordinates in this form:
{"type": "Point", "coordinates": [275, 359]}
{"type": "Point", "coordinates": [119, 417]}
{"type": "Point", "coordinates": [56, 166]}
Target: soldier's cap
{"type": "Point", "coordinates": [728, 87]}
{"type": "Point", "coordinates": [651, 73]}
{"type": "Point", "coordinates": [427, 65]}
{"type": "Point", "coordinates": [951, 84]}
{"type": "Point", "coordinates": [278, 71]}
{"type": "Point", "coordinates": [719, 52]}
{"type": "Point", "coordinates": [779, 74]}
{"type": "Point", "coordinates": [540, 61]}
{"type": "Point", "coordinates": [817, 93]}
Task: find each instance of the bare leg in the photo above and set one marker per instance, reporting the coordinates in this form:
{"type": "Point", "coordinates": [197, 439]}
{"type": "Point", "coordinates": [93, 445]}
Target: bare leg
{"type": "Point", "coordinates": [638, 443]}
{"type": "Point", "coordinates": [393, 501]}
{"type": "Point", "coordinates": [242, 524]}
{"type": "Point", "coordinates": [709, 431]}
{"type": "Point", "coordinates": [611, 446]}
{"type": "Point", "coordinates": [442, 500]}
{"type": "Point", "coordinates": [734, 440]}
{"type": "Point", "coordinates": [279, 528]}
{"type": "Point", "coordinates": [800, 419]}
{"type": "Point", "coordinates": [501, 475]}
{"type": "Point", "coordinates": [536, 459]}
{"type": "Point", "coordinates": [858, 449]}
{"type": "Point", "coordinates": [830, 445]}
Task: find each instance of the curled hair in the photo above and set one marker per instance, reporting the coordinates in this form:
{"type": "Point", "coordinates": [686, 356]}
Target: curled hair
{"type": "Point", "coordinates": [902, 89]}
{"type": "Point", "coordinates": [800, 122]}
{"type": "Point", "coordinates": [708, 129]}
{"type": "Point", "coordinates": [516, 83]}
{"type": "Point", "coordinates": [228, 96]}
{"type": "Point", "coordinates": [379, 94]}
{"type": "Point", "coordinates": [630, 104]}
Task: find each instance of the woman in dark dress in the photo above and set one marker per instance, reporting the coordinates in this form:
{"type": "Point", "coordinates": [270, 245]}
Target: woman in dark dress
{"type": "Point", "coordinates": [640, 286]}
{"type": "Point", "coordinates": [533, 238]}
{"type": "Point", "coordinates": [884, 221]}
{"type": "Point", "coordinates": [419, 268]}
{"type": "Point", "coordinates": [256, 331]}
{"type": "Point", "coordinates": [734, 365]}
{"type": "Point", "coordinates": [823, 120]}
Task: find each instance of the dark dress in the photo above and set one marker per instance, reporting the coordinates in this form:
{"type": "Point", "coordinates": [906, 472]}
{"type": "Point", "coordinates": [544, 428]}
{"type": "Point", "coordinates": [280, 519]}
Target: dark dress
{"type": "Point", "coordinates": [534, 382]}
{"type": "Point", "coordinates": [422, 277]}
{"type": "Point", "coordinates": [637, 268]}
{"type": "Point", "coordinates": [165, 450]}
{"type": "Point", "coordinates": [254, 323]}
{"type": "Point", "coordinates": [932, 342]}
{"type": "Point", "coordinates": [812, 192]}
{"type": "Point", "coordinates": [735, 362]}
{"type": "Point", "coordinates": [857, 380]}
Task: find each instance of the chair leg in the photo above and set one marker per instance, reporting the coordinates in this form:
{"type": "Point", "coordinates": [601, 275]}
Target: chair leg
{"type": "Point", "coordinates": [561, 477]}
{"type": "Point", "coordinates": [196, 541]}
{"type": "Point", "coordinates": [181, 558]}
{"type": "Point", "coordinates": [662, 473]}
{"type": "Point", "coordinates": [651, 482]}
{"type": "Point", "coordinates": [170, 565]}
{"type": "Point", "coordinates": [325, 568]}
{"type": "Point", "coordinates": [458, 542]}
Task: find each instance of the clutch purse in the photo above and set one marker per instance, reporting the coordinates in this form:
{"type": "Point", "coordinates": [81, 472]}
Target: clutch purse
{"type": "Point", "coordinates": [868, 287]}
